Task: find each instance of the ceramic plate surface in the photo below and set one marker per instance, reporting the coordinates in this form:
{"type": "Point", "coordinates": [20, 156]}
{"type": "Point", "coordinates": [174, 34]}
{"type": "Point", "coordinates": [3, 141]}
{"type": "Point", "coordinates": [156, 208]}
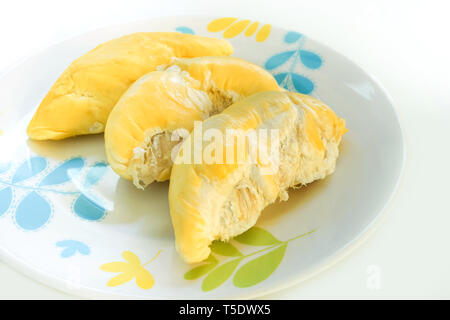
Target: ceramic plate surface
{"type": "Point", "coordinates": [67, 220]}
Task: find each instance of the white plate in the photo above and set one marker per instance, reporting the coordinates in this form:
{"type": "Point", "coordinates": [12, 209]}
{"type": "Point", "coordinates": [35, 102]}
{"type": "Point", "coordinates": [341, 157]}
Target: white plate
{"type": "Point", "coordinates": [64, 213]}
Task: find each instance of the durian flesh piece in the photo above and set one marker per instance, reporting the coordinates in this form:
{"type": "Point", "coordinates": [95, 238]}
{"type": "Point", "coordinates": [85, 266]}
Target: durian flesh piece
{"type": "Point", "coordinates": [142, 128]}
{"type": "Point", "coordinates": [81, 99]}
{"type": "Point", "coordinates": [217, 201]}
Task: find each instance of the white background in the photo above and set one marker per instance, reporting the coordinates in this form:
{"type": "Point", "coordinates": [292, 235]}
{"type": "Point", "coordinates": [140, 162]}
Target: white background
{"type": "Point", "coordinates": [404, 44]}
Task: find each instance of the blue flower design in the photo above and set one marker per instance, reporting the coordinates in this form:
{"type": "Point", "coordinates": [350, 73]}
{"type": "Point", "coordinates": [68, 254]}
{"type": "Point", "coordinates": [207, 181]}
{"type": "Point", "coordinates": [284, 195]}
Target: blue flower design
{"type": "Point", "coordinates": [33, 209]}
{"type": "Point", "coordinates": [291, 80]}
{"type": "Point", "coordinates": [71, 247]}
{"type": "Point", "coordinates": [292, 37]}
{"type": "Point", "coordinates": [33, 212]}
{"type": "Point", "coordinates": [184, 29]}
{"type": "Point", "coordinates": [63, 172]}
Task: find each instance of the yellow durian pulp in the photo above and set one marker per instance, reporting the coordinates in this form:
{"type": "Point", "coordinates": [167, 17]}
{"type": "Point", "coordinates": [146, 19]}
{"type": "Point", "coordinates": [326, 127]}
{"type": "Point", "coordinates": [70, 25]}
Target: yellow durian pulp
{"type": "Point", "coordinates": [217, 201]}
{"type": "Point", "coordinates": [83, 96]}
{"type": "Point", "coordinates": [139, 133]}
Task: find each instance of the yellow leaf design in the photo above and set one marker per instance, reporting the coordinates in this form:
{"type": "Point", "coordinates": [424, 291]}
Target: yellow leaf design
{"type": "Point", "coordinates": [131, 257]}
{"type": "Point", "coordinates": [144, 279]}
{"type": "Point", "coordinates": [252, 29]}
{"type": "Point", "coordinates": [120, 279]}
{"type": "Point", "coordinates": [236, 29]}
{"type": "Point", "coordinates": [129, 270]}
{"type": "Point", "coordinates": [233, 27]}
{"type": "Point", "coordinates": [263, 33]}
{"type": "Point", "coordinates": [220, 24]}
{"type": "Point", "coordinates": [114, 267]}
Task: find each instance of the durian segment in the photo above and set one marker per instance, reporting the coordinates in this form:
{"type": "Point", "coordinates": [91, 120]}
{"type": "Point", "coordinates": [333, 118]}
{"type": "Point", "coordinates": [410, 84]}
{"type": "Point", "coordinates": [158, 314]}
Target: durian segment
{"type": "Point", "coordinates": [226, 79]}
{"type": "Point", "coordinates": [139, 132]}
{"type": "Point", "coordinates": [137, 139]}
{"type": "Point", "coordinates": [217, 201]}
{"type": "Point", "coordinates": [81, 99]}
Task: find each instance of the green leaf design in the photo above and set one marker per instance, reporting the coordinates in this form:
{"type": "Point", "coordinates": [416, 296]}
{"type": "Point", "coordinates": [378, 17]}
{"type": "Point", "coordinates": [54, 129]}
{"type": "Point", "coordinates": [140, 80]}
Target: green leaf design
{"type": "Point", "coordinates": [257, 237]}
{"type": "Point", "coordinates": [225, 249]}
{"type": "Point", "coordinates": [195, 273]}
{"type": "Point", "coordinates": [259, 269]}
{"type": "Point", "coordinates": [253, 271]}
{"type": "Point", "coordinates": [219, 275]}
